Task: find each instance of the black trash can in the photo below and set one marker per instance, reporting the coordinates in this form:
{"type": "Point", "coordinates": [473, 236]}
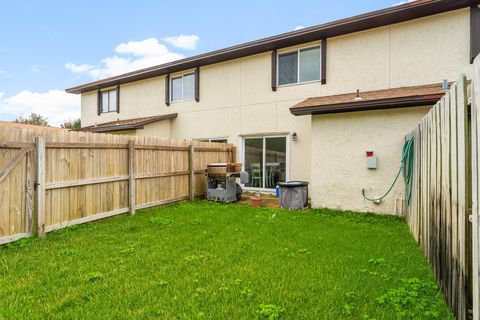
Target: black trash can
{"type": "Point", "coordinates": [293, 195]}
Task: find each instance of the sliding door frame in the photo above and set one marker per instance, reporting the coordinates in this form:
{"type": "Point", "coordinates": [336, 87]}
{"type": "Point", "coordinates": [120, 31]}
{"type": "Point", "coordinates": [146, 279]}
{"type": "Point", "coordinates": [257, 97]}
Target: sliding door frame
{"type": "Point", "coordinates": [264, 137]}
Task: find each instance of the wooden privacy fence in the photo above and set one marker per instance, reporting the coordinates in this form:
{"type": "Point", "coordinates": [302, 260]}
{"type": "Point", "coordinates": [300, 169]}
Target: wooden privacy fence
{"type": "Point", "coordinates": [438, 215]}
{"type": "Point", "coordinates": [51, 178]}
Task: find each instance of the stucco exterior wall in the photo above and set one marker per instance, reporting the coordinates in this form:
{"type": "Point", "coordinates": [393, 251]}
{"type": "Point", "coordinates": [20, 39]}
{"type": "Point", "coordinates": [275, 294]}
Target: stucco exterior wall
{"type": "Point", "coordinates": [156, 129]}
{"type": "Point", "coordinates": [339, 164]}
{"type": "Point", "coordinates": [236, 97]}
{"type": "Point", "coordinates": [422, 51]}
{"type": "Point", "coordinates": [124, 132]}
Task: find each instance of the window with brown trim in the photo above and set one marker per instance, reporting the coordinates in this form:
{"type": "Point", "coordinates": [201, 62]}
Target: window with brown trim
{"type": "Point", "coordinates": [108, 100]}
{"type": "Point", "coordinates": [299, 66]}
{"type": "Point", "coordinates": [182, 88]}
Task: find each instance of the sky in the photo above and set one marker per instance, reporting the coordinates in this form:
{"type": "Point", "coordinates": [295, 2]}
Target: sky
{"type": "Point", "coordinates": [47, 46]}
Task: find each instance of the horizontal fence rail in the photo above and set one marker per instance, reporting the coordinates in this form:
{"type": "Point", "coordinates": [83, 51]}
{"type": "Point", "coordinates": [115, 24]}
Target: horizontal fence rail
{"type": "Point", "coordinates": [77, 177]}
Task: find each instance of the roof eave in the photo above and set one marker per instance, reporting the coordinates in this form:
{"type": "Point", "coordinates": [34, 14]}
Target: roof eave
{"type": "Point", "coordinates": [387, 16]}
{"type": "Point", "coordinates": [125, 127]}
{"type": "Point", "coordinates": [119, 128]}
{"type": "Point", "coordinates": [393, 103]}
{"type": "Point", "coordinates": [110, 129]}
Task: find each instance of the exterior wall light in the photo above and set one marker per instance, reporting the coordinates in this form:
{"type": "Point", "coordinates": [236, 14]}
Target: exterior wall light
{"type": "Point", "coordinates": [294, 136]}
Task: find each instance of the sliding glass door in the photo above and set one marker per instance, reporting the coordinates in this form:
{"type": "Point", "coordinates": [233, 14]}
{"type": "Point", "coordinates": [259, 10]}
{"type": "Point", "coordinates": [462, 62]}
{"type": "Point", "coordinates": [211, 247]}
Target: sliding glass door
{"type": "Point", "coordinates": [275, 161]}
{"type": "Point", "coordinates": [265, 160]}
{"type": "Point", "coordinates": [254, 162]}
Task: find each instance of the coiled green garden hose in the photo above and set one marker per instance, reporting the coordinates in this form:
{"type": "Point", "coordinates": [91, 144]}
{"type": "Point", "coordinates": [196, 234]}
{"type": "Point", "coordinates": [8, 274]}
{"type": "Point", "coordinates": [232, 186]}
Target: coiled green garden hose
{"type": "Point", "coordinates": [406, 169]}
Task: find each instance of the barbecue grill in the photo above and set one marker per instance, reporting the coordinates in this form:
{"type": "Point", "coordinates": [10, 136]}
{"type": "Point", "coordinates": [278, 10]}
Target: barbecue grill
{"type": "Point", "coordinates": [222, 183]}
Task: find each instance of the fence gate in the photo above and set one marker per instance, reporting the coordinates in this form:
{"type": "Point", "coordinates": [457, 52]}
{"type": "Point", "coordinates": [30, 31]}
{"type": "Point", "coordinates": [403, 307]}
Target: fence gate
{"type": "Point", "coordinates": [16, 189]}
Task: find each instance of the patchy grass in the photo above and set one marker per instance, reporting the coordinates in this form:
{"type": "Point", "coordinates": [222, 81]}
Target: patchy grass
{"type": "Point", "coordinates": [210, 261]}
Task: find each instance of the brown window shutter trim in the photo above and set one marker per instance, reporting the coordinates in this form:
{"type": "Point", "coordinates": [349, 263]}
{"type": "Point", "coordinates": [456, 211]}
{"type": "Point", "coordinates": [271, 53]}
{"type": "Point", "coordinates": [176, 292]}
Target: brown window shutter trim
{"type": "Point", "coordinates": [474, 31]}
{"type": "Point", "coordinates": [167, 89]}
{"type": "Point", "coordinates": [197, 84]}
{"type": "Point", "coordinates": [324, 61]}
{"type": "Point", "coordinates": [99, 102]}
{"type": "Point", "coordinates": [118, 99]}
{"type": "Point", "coordinates": [274, 70]}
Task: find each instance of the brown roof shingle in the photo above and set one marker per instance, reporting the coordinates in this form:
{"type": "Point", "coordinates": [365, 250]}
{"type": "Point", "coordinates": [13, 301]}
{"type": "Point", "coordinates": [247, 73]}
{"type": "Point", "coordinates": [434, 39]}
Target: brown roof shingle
{"type": "Point", "coordinates": [128, 124]}
{"type": "Point", "coordinates": [371, 100]}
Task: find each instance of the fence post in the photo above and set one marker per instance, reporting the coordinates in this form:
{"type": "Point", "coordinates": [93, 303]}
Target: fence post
{"type": "Point", "coordinates": [131, 178]}
{"type": "Point", "coordinates": [475, 189]}
{"type": "Point", "coordinates": [234, 154]}
{"type": "Point", "coordinates": [39, 216]}
{"type": "Point", "coordinates": [29, 190]}
{"type": "Point", "coordinates": [192, 171]}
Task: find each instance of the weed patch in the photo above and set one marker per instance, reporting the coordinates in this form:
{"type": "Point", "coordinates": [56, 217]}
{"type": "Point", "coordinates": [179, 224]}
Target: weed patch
{"type": "Point", "coordinates": [414, 297]}
{"type": "Point", "coordinates": [162, 221]}
{"type": "Point", "coordinates": [93, 276]}
{"type": "Point", "coordinates": [270, 311]}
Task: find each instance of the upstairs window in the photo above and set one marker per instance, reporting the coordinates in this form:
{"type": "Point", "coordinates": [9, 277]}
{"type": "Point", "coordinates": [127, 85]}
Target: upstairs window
{"type": "Point", "coordinates": [108, 101]}
{"type": "Point", "coordinates": [183, 87]}
{"type": "Point", "coordinates": [299, 66]}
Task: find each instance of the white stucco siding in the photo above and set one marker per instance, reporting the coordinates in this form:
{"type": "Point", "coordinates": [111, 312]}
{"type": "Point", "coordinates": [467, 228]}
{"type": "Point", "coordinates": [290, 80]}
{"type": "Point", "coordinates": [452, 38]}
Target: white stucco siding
{"type": "Point", "coordinates": [156, 129]}
{"type": "Point", "coordinates": [89, 109]}
{"type": "Point", "coordinates": [142, 97]}
{"type": "Point", "coordinates": [416, 52]}
{"type": "Point", "coordinates": [358, 61]}
{"type": "Point", "coordinates": [339, 165]}
{"type": "Point", "coordinates": [236, 97]}
{"type": "Point", "coordinates": [137, 99]}
{"type": "Point", "coordinates": [432, 49]}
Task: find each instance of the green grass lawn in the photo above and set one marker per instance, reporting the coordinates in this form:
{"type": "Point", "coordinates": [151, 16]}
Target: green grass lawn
{"type": "Point", "coordinates": [210, 261]}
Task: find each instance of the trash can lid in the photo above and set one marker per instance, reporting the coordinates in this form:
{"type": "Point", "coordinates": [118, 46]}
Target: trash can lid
{"type": "Point", "coordinates": [290, 184]}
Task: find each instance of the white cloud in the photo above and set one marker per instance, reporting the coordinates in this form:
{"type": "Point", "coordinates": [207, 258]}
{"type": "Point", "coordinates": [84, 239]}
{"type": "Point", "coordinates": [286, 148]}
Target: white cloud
{"type": "Point", "coordinates": [130, 56]}
{"type": "Point", "coordinates": [298, 28]}
{"type": "Point", "coordinates": [78, 69]}
{"type": "Point", "coordinates": [5, 74]}
{"type": "Point", "coordinates": [182, 41]}
{"type": "Point", "coordinates": [56, 105]}
{"type": "Point", "coordinates": [143, 48]}
{"type": "Point", "coordinates": [36, 68]}
{"type": "Point", "coordinates": [402, 2]}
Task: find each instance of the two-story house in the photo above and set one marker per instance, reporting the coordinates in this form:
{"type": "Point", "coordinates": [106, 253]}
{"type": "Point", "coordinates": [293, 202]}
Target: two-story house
{"type": "Point", "coordinates": [253, 95]}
